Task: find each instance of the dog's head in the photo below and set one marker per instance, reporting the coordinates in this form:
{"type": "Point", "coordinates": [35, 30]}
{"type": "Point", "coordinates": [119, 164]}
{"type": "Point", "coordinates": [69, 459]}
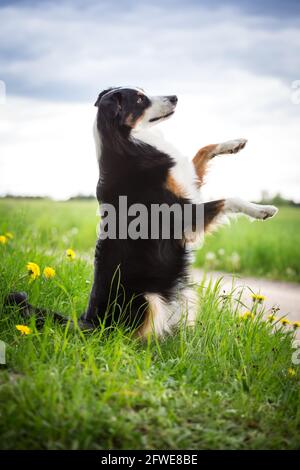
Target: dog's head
{"type": "Point", "coordinates": [132, 108]}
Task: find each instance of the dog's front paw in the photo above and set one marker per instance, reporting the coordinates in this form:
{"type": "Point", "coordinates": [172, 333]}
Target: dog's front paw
{"type": "Point", "coordinates": [265, 212]}
{"type": "Point", "coordinates": [231, 146]}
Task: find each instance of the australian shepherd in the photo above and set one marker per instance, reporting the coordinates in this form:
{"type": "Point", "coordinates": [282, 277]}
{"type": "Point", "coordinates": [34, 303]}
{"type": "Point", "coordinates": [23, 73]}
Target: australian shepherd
{"type": "Point", "coordinates": [142, 281]}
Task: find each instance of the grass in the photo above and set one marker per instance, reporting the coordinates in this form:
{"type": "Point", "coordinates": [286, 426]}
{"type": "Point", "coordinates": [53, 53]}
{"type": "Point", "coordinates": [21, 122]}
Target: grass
{"type": "Point", "coordinates": [264, 249]}
{"type": "Point", "coordinates": [223, 385]}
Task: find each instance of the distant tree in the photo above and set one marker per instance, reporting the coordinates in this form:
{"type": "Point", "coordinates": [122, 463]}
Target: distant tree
{"type": "Point", "coordinates": [18, 196]}
{"type": "Point", "coordinates": [82, 197]}
{"type": "Point", "coordinates": [277, 200]}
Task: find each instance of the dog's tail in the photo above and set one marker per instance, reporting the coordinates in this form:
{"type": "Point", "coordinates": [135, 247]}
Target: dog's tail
{"type": "Point", "coordinates": [20, 300]}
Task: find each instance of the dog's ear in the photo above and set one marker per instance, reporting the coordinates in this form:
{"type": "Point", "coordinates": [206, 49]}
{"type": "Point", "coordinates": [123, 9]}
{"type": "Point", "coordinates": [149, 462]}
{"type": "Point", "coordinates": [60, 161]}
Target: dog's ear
{"type": "Point", "coordinates": [100, 96]}
{"type": "Point", "coordinates": [110, 103]}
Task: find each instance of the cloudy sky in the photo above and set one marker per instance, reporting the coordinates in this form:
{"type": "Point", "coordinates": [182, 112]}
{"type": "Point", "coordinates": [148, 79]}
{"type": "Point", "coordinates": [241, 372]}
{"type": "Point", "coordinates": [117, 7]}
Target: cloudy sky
{"type": "Point", "coordinates": [233, 65]}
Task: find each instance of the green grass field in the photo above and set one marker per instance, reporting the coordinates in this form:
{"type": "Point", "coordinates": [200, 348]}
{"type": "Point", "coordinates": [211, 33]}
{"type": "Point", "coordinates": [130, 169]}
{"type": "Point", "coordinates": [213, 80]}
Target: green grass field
{"type": "Point", "coordinates": [227, 384]}
{"type": "Point", "coordinates": [264, 249]}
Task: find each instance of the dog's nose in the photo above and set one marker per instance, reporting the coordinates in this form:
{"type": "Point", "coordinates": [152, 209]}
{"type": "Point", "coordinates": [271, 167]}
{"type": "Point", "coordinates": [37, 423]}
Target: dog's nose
{"type": "Point", "coordinates": [173, 99]}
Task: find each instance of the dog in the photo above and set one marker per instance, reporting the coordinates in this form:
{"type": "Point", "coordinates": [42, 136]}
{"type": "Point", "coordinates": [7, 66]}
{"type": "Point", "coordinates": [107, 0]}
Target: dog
{"type": "Point", "coordinates": [143, 282]}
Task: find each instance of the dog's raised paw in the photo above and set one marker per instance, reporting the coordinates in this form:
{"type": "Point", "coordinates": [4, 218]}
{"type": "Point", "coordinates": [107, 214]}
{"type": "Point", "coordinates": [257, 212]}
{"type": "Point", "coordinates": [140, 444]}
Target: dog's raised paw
{"type": "Point", "coordinates": [231, 146]}
{"type": "Point", "coordinates": [266, 212]}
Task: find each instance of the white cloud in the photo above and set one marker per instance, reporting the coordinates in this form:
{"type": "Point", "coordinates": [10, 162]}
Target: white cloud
{"type": "Point", "coordinates": [232, 72]}
{"type": "Point", "coordinates": [47, 148]}
{"type": "Point", "coordinates": [55, 46]}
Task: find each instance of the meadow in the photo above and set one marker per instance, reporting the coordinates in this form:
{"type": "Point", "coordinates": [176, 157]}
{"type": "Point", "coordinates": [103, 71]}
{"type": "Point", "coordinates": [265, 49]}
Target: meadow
{"type": "Point", "coordinates": [268, 249]}
{"type": "Point", "coordinates": [229, 383]}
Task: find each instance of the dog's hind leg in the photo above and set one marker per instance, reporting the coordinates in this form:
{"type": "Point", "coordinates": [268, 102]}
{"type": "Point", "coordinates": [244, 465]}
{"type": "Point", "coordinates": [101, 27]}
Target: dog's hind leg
{"type": "Point", "coordinates": [255, 211]}
{"type": "Point", "coordinates": [205, 154]}
{"type": "Point", "coordinates": [208, 214]}
{"type": "Point", "coordinates": [20, 300]}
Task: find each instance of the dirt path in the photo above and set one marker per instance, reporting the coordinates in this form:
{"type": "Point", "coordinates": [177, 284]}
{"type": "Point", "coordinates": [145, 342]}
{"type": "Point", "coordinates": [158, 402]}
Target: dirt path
{"type": "Point", "coordinates": [284, 295]}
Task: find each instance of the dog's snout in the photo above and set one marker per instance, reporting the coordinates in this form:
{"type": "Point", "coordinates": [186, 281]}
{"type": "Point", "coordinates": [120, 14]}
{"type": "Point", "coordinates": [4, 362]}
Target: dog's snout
{"type": "Point", "coordinates": [173, 99]}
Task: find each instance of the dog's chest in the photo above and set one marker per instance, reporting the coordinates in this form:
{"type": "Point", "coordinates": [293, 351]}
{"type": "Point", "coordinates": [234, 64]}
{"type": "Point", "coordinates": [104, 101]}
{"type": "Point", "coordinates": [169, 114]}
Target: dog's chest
{"type": "Point", "coordinates": [183, 173]}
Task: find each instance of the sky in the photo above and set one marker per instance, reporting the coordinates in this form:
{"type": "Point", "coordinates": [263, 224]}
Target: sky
{"type": "Point", "coordinates": [235, 66]}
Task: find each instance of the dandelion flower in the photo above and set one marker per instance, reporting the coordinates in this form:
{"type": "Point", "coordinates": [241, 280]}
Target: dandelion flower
{"type": "Point", "coordinates": [285, 321]}
{"type": "Point", "coordinates": [70, 254]}
{"type": "Point", "coordinates": [235, 260]}
{"type": "Point", "coordinates": [49, 272]}
{"type": "Point", "coordinates": [291, 372]}
{"type": "Point", "coordinates": [271, 318]}
{"type": "Point", "coordinates": [25, 330]}
{"type": "Point", "coordinates": [33, 270]}
{"type": "Point", "coordinates": [9, 235]}
{"type": "Point", "coordinates": [258, 297]}
{"type": "Point", "coordinates": [296, 324]}
{"type": "Point", "coordinates": [3, 239]}
{"type": "Point", "coordinates": [246, 315]}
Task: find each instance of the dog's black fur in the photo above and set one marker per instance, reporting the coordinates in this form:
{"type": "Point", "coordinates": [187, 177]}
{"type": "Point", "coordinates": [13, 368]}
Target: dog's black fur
{"type": "Point", "coordinates": [138, 171]}
{"type": "Point", "coordinates": [125, 269]}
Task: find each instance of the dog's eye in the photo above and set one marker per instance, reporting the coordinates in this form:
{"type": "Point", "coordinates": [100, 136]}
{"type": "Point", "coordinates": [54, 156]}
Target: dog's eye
{"type": "Point", "coordinates": [139, 100]}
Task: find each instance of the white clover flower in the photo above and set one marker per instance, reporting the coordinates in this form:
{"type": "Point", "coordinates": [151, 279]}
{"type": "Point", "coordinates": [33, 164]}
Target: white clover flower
{"type": "Point", "coordinates": [235, 260]}
{"type": "Point", "coordinates": [290, 271]}
{"type": "Point", "coordinates": [210, 256]}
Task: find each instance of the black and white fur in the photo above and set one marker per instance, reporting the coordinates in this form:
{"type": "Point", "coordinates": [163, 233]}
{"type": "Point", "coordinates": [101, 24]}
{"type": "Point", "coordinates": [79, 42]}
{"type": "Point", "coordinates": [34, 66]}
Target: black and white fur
{"type": "Point", "coordinates": [144, 283]}
{"type": "Point", "coordinates": [135, 161]}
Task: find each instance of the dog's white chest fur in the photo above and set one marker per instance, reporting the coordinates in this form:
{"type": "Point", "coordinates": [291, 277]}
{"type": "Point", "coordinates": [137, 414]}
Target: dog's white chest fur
{"type": "Point", "coordinates": [183, 172]}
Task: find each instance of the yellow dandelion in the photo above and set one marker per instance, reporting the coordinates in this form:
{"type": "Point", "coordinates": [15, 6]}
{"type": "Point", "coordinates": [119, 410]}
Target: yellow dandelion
{"type": "Point", "coordinates": [271, 318]}
{"type": "Point", "coordinates": [246, 315]}
{"type": "Point", "coordinates": [24, 330]}
{"type": "Point", "coordinates": [258, 297]}
{"type": "Point", "coordinates": [3, 239]}
{"type": "Point", "coordinates": [49, 272]}
{"type": "Point", "coordinates": [33, 270]}
{"type": "Point", "coordinates": [9, 235]}
{"type": "Point", "coordinates": [296, 324]}
{"type": "Point", "coordinates": [70, 254]}
{"type": "Point", "coordinates": [285, 321]}
{"type": "Point", "coordinates": [291, 372]}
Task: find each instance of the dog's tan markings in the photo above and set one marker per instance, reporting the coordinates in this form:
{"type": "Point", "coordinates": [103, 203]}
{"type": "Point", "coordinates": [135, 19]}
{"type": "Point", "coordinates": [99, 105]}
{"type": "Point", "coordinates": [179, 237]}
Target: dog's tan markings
{"type": "Point", "coordinates": [146, 327]}
{"type": "Point", "coordinates": [131, 122]}
{"type": "Point", "coordinates": [151, 314]}
{"type": "Point", "coordinates": [156, 317]}
{"type": "Point", "coordinates": [201, 160]}
{"type": "Point", "coordinates": [174, 187]}
{"type": "Point", "coordinates": [205, 154]}
{"type": "Point", "coordinates": [212, 210]}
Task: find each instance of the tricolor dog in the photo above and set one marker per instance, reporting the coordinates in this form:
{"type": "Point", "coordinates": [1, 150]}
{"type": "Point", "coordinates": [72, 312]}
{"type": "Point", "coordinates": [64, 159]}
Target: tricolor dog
{"type": "Point", "coordinates": [143, 282]}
